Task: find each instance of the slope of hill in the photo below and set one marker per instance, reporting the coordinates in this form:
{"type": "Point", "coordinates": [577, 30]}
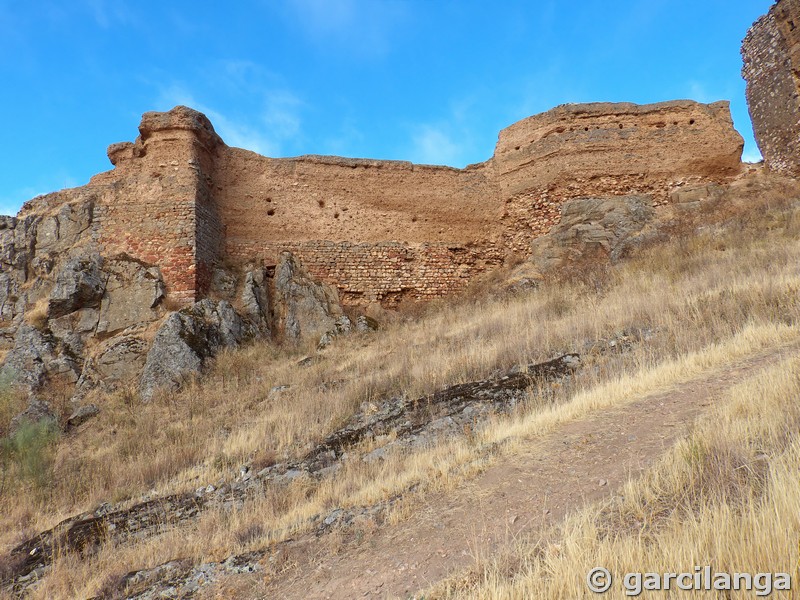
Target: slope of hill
{"type": "Point", "coordinates": [251, 480]}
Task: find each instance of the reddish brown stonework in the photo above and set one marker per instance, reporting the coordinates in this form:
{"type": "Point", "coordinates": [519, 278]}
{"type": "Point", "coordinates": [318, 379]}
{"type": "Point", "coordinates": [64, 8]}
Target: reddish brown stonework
{"type": "Point", "coordinates": [385, 231]}
{"type": "Point", "coordinates": [771, 53]}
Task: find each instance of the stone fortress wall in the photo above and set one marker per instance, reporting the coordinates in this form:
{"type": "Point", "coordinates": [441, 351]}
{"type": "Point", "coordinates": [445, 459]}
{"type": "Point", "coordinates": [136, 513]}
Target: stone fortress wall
{"type": "Point", "coordinates": [771, 53]}
{"type": "Point", "coordinates": [385, 231]}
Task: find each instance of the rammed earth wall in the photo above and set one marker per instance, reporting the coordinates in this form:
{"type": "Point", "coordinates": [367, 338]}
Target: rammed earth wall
{"type": "Point", "coordinates": [385, 231]}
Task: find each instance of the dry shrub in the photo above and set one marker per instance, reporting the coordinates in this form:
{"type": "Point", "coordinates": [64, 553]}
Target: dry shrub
{"type": "Point", "coordinates": [36, 316]}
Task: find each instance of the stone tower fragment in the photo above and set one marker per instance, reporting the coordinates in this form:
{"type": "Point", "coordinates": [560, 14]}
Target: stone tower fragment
{"type": "Point", "coordinates": [771, 53]}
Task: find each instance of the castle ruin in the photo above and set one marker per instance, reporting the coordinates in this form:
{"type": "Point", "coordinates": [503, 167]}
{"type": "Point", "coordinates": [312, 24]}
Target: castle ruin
{"type": "Point", "coordinates": [771, 53]}
{"type": "Point", "coordinates": [384, 231]}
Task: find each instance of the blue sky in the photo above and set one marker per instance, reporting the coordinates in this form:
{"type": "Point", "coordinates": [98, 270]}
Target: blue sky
{"type": "Point", "coordinates": [429, 81]}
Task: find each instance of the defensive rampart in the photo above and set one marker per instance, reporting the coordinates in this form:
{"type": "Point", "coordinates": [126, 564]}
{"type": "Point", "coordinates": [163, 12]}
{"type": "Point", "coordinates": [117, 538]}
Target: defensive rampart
{"type": "Point", "coordinates": [383, 231]}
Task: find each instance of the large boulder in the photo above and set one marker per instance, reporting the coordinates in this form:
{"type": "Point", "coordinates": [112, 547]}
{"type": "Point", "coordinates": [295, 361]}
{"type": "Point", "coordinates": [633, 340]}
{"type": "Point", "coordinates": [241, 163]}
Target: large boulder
{"type": "Point", "coordinates": [602, 228]}
{"type": "Point", "coordinates": [255, 300]}
{"type": "Point", "coordinates": [186, 339]}
{"type": "Point", "coordinates": [36, 412]}
{"type": "Point", "coordinates": [79, 284]}
{"type": "Point", "coordinates": [37, 358]}
{"type": "Point", "coordinates": [114, 362]}
{"type": "Point", "coordinates": [132, 293]}
{"type": "Point", "coordinates": [305, 308]}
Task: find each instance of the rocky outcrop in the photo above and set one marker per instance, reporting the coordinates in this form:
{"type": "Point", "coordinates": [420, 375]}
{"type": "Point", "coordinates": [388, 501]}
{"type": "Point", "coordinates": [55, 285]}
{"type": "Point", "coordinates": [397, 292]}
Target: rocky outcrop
{"type": "Point", "coordinates": [771, 53]}
{"type": "Point", "coordinates": [74, 316]}
{"type": "Point", "coordinates": [593, 228]}
{"type": "Point", "coordinates": [304, 307]}
{"type": "Point", "coordinates": [37, 411]}
{"type": "Point", "coordinates": [115, 361]}
{"type": "Point", "coordinates": [36, 358]}
{"type": "Point", "coordinates": [81, 415]}
{"type": "Point", "coordinates": [255, 300]}
{"type": "Point", "coordinates": [79, 284]}
{"type": "Point", "coordinates": [406, 422]}
{"type": "Point", "coordinates": [133, 291]}
{"type": "Point", "coordinates": [186, 339]}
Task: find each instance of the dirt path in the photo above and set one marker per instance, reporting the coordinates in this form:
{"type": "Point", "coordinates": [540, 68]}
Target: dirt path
{"type": "Point", "coordinates": [519, 495]}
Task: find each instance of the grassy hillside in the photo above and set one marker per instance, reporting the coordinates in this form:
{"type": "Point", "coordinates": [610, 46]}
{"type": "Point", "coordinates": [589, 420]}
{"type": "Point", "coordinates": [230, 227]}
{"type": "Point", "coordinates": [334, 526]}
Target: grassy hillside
{"type": "Point", "coordinates": [724, 285]}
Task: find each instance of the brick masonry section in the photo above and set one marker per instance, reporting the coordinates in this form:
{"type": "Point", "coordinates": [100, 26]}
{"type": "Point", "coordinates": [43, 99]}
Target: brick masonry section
{"type": "Point", "coordinates": [385, 272]}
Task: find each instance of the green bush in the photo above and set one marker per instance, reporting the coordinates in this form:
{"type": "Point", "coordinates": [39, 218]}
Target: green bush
{"type": "Point", "coordinates": [12, 402]}
{"type": "Point", "coordinates": [29, 454]}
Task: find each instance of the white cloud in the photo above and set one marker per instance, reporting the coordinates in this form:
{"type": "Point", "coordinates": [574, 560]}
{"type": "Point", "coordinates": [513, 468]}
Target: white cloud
{"type": "Point", "coordinates": [276, 121]}
{"type": "Point", "coordinates": [343, 142]}
{"type": "Point", "coordinates": [10, 204]}
{"type": "Point", "coordinates": [431, 145]}
{"type": "Point", "coordinates": [360, 27]}
{"type": "Point", "coordinates": [107, 13]}
{"type": "Point", "coordinates": [281, 114]}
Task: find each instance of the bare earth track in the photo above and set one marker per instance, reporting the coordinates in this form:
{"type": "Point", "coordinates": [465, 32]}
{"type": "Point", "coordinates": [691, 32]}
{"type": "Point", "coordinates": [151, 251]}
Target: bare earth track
{"type": "Point", "coordinates": [519, 495]}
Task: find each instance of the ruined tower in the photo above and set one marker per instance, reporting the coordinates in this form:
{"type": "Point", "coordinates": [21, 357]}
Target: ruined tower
{"type": "Point", "coordinates": [771, 53]}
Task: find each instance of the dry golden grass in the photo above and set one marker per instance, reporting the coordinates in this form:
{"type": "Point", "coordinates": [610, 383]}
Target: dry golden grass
{"type": "Point", "coordinates": [36, 315]}
{"type": "Point", "coordinates": [727, 496]}
{"type": "Point", "coordinates": [707, 298]}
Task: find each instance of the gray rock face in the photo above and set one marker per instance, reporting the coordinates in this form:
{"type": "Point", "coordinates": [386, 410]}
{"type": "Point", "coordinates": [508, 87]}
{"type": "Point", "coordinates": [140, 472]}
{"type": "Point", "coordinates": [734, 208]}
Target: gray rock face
{"type": "Point", "coordinates": [132, 293]}
{"type": "Point", "coordinates": [186, 339]}
{"type": "Point", "coordinates": [342, 326]}
{"type": "Point", "coordinates": [69, 314]}
{"type": "Point", "coordinates": [255, 300]}
{"type": "Point", "coordinates": [365, 323]}
{"type": "Point", "coordinates": [305, 308]}
{"type": "Point", "coordinates": [593, 227]}
{"type": "Point", "coordinates": [79, 284]}
{"type": "Point", "coordinates": [35, 358]}
{"type": "Point", "coordinates": [36, 411]}
{"type": "Point", "coordinates": [16, 251]}
{"type": "Point", "coordinates": [116, 361]}
{"type": "Point", "coordinates": [81, 415]}
{"type": "Point", "coordinates": [61, 232]}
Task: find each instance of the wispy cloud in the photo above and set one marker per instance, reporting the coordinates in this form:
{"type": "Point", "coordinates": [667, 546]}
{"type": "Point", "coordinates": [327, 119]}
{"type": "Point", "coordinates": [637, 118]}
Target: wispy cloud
{"type": "Point", "coordinates": [345, 139]}
{"type": "Point", "coordinates": [433, 145]}
{"type": "Point", "coordinates": [107, 13]}
{"type": "Point", "coordinates": [361, 27]}
{"type": "Point", "coordinates": [451, 139]}
{"type": "Point", "coordinates": [239, 133]}
{"type": "Point", "coordinates": [247, 106]}
{"type": "Point", "coordinates": [11, 202]}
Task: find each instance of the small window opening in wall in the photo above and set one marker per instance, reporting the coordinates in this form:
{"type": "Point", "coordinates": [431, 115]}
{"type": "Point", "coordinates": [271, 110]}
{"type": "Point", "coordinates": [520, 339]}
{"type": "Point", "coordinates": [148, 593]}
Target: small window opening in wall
{"type": "Point", "coordinates": [271, 212]}
{"type": "Point", "coordinates": [586, 129]}
{"type": "Point", "coordinates": [674, 122]}
{"type": "Point", "coordinates": [414, 219]}
{"type": "Point", "coordinates": [516, 148]}
{"type": "Point", "coordinates": [321, 203]}
{"type": "Point", "coordinates": [620, 125]}
{"type": "Point", "coordinates": [269, 199]}
{"type": "Point", "coordinates": [691, 121]}
{"type": "Point", "coordinates": [336, 215]}
{"type": "Point", "coordinates": [791, 25]}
